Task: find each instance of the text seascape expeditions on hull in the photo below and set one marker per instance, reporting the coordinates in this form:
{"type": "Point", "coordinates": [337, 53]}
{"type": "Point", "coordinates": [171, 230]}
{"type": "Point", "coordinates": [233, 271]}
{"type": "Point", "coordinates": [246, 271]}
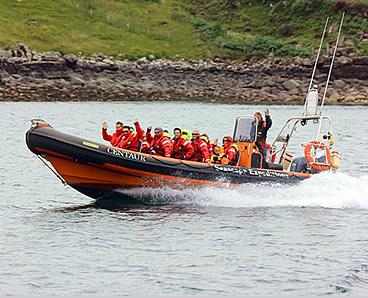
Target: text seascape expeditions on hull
{"type": "Point", "coordinates": [250, 171]}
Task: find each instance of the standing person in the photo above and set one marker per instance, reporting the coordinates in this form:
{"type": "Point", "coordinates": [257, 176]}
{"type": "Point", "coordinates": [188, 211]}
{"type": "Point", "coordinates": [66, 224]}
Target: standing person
{"type": "Point", "coordinates": [161, 144]}
{"type": "Point", "coordinates": [200, 148]}
{"type": "Point", "coordinates": [181, 146]}
{"type": "Point", "coordinates": [114, 139]}
{"type": "Point", "coordinates": [262, 129]}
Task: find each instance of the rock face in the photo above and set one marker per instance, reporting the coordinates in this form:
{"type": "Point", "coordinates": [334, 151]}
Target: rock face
{"type": "Point", "coordinates": [30, 76]}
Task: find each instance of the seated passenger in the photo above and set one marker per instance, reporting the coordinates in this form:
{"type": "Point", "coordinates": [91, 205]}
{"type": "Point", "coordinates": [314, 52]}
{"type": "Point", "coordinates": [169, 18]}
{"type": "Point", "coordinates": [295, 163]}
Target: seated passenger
{"type": "Point", "coordinates": [124, 136]}
{"type": "Point", "coordinates": [177, 133]}
{"type": "Point", "coordinates": [147, 139]}
{"type": "Point", "coordinates": [230, 151]}
{"type": "Point", "coordinates": [167, 134]}
{"type": "Point", "coordinates": [161, 143]}
{"type": "Point", "coordinates": [114, 139]}
{"type": "Point", "coordinates": [200, 148]}
{"type": "Point", "coordinates": [212, 145]}
{"type": "Point", "coordinates": [217, 154]}
{"type": "Point", "coordinates": [181, 146]}
{"type": "Point", "coordinates": [205, 137]}
{"type": "Point", "coordinates": [131, 142]}
{"type": "Point", "coordinates": [186, 134]}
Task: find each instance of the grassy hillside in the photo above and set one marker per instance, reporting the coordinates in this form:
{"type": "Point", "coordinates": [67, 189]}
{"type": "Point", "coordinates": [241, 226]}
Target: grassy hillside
{"type": "Point", "coordinates": [189, 28]}
{"type": "Point", "coordinates": [129, 28]}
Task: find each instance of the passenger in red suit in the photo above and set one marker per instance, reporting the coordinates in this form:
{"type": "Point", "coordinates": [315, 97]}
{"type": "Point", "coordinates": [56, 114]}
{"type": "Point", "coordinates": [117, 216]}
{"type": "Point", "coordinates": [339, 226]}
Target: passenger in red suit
{"type": "Point", "coordinates": [210, 145]}
{"type": "Point", "coordinates": [114, 139]}
{"type": "Point", "coordinates": [147, 139]}
{"type": "Point", "coordinates": [131, 142]}
{"type": "Point", "coordinates": [200, 148]}
{"type": "Point", "coordinates": [149, 135]}
{"type": "Point", "coordinates": [161, 143]}
{"type": "Point", "coordinates": [124, 136]}
{"type": "Point", "coordinates": [181, 146]}
{"type": "Point", "coordinates": [230, 151]}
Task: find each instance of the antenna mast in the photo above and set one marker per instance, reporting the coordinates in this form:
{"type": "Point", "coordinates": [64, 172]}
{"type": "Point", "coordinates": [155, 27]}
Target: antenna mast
{"type": "Point", "coordinates": [319, 50]}
{"type": "Point", "coordinates": [332, 61]}
{"type": "Point", "coordinates": [315, 65]}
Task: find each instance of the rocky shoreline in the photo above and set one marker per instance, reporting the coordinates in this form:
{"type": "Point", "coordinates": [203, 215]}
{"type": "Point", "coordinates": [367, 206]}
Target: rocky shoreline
{"type": "Point", "coordinates": [29, 76]}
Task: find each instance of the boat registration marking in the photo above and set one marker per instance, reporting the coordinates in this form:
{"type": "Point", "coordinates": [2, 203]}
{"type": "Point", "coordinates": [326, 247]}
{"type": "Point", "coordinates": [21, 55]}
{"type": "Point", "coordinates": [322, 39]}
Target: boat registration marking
{"type": "Point", "coordinates": [91, 144]}
{"type": "Point", "coordinates": [251, 172]}
{"type": "Point", "coordinates": [124, 154]}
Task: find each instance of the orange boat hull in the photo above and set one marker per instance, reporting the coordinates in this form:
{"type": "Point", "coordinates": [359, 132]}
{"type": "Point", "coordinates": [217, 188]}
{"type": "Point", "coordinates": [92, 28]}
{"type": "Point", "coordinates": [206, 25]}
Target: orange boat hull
{"type": "Point", "coordinates": [101, 171]}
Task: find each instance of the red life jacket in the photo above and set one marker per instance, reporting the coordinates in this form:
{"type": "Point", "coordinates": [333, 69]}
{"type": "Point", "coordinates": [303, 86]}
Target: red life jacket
{"type": "Point", "coordinates": [132, 142]}
{"type": "Point", "coordinates": [200, 151]}
{"type": "Point", "coordinates": [114, 139]}
{"type": "Point", "coordinates": [182, 148]}
{"type": "Point", "coordinates": [162, 145]}
{"type": "Point", "coordinates": [123, 139]}
{"type": "Point", "coordinates": [149, 137]}
{"type": "Point", "coordinates": [145, 145]}
{"type": "Point", "coordinates": [231, 153]}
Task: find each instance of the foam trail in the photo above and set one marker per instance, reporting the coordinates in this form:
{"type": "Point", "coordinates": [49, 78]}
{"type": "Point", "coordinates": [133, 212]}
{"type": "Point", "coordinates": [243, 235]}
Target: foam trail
{"type": "Point", "coordinates": [323, 190]}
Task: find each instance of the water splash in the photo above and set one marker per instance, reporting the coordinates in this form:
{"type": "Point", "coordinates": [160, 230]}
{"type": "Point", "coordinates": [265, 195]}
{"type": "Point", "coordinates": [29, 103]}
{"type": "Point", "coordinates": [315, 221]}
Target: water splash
{"type": "Point", "coordinates": [324, 190]}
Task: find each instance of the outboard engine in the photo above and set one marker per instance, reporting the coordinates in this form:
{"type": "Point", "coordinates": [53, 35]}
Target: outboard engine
{"type": "Point", "coordinates": [299, 164]}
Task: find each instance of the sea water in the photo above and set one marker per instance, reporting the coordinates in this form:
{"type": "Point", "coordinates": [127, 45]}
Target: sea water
{"type": "Point", "coordinates": [305, 239]}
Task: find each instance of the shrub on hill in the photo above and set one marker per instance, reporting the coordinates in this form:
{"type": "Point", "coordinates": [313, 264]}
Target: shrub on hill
{"type": "Point", "coordinates": [261, 44]}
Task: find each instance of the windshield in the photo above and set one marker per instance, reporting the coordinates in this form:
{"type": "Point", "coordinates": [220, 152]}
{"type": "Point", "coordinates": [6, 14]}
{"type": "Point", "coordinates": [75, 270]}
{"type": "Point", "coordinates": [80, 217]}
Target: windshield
{"type": "Point", "coordinates": [245, 129]}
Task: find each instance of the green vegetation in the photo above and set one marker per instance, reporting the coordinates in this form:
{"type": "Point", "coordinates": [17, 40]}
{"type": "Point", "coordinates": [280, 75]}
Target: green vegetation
{"type": "Point", "coordinates": [191, 29]}
{"type": "Point", "coordinates": [284, 28]}
{"type": "Point", "coordinates": [261, 45]}
{"type": "Point", "coordinates": [128, 29]}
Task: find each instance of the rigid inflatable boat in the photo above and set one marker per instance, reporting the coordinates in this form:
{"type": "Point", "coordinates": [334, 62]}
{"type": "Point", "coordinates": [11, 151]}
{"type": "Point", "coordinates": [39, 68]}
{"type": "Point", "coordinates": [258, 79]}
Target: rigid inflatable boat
{"type": "Point", "coordinates": [102, 171]}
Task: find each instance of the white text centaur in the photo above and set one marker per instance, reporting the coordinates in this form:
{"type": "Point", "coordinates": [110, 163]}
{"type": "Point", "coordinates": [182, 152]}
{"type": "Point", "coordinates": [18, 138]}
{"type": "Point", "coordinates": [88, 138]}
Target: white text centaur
{"type": "Point", "coordinates": [124, 154]}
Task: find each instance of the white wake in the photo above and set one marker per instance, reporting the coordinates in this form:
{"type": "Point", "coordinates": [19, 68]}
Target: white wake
{"type": "Point", "coordinates": [323, 190]}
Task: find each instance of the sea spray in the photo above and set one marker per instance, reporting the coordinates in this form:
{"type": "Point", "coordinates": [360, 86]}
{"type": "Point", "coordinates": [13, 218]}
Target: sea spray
{"type": "Point", "coordinates": [327, 190]}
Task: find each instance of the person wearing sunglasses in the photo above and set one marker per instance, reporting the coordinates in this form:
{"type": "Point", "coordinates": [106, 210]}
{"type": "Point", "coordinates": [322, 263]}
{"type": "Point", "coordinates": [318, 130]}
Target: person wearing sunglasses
{"type": "Point", "coordinates": [200, 147]}
{"type": "Point", "coordinates": [124, 136]}
{"type": "Point", "coordinates": [161, 143]}
{"type": "Point", "coordinates": [131, 141]}
{"type": "Point", "coordinates": [114, 139]}
{"type": "Point", "coordinates": [230, 151]}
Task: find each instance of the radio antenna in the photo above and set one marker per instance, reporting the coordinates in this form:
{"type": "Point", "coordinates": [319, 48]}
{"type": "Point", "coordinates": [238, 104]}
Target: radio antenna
{"type": "Point", "coordinates": [332, 61]}
{"type": "Point", "coordinates": [315, 64]}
